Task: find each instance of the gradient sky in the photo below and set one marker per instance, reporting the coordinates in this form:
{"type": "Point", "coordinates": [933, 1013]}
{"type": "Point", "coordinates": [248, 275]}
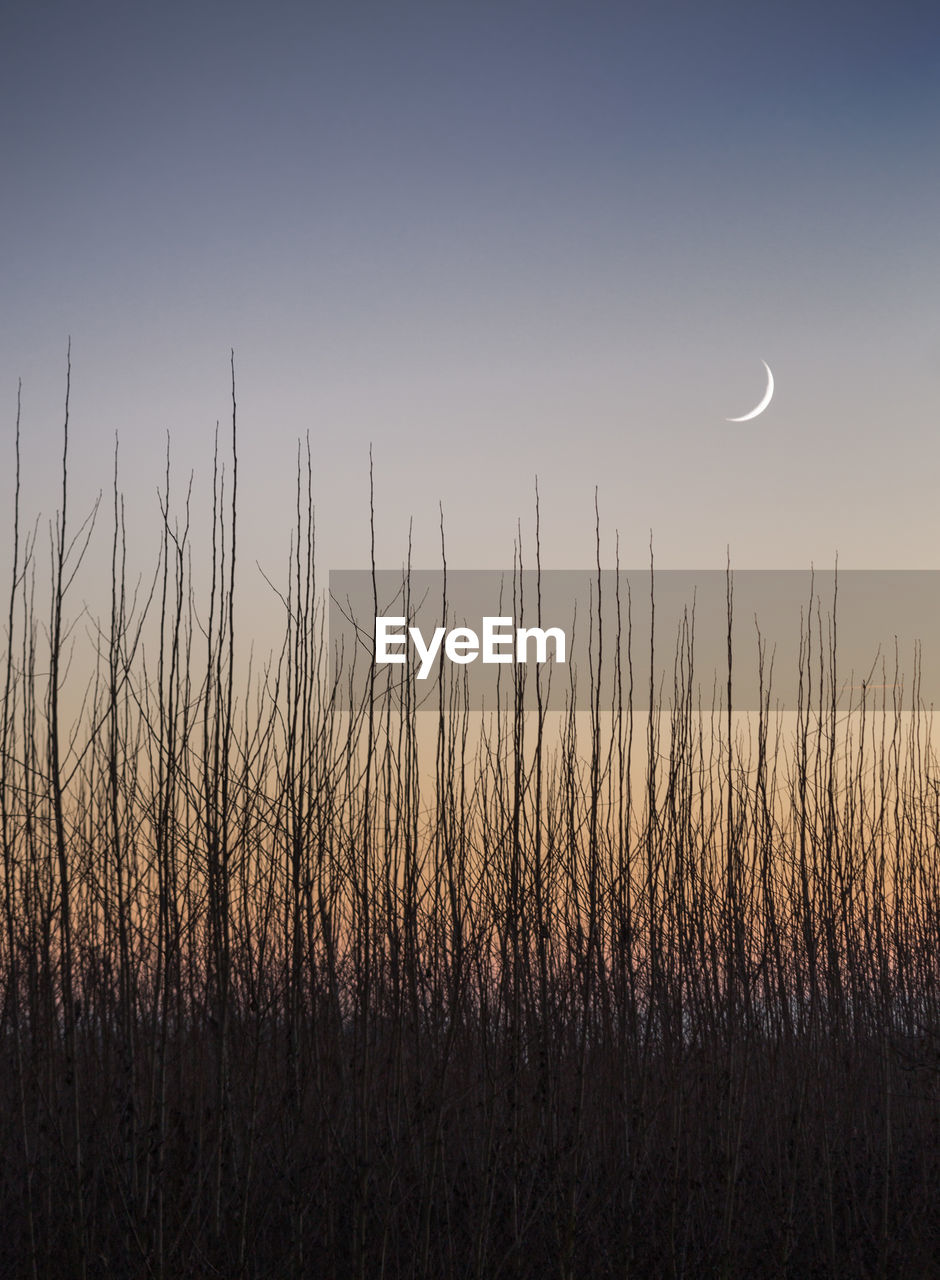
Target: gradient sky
{"type": "Point", "coordinates": [495, 241]}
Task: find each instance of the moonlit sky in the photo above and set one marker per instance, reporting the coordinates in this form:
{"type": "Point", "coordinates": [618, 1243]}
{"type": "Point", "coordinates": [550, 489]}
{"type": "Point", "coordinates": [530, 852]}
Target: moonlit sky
{"type": "Point", "coordinates": [496, 241]}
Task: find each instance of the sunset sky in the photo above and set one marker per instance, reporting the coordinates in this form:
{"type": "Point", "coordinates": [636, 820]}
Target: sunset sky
{"type": "Point", "coordinates": [495, 241]}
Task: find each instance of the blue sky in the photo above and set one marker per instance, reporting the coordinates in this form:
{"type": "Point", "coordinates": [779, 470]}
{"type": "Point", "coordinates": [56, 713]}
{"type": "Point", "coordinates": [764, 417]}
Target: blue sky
{"type": "Point", "coordinates": [493, 241]}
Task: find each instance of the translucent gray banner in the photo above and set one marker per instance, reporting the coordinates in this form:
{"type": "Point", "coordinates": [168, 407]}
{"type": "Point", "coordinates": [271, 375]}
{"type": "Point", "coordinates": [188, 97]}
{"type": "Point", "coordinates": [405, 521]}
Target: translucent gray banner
{"type": "Point", "coordinates": [583, 638]}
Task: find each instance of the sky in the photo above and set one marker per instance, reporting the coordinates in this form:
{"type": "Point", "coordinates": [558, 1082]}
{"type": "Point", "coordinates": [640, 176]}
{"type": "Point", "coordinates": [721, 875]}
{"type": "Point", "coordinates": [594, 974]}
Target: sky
{"type": "Point", "coordinates": [494, 242]}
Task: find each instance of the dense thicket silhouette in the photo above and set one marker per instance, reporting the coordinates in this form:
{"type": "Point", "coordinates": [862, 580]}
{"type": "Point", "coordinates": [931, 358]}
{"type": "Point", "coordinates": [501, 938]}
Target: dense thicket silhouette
{"type": "Point", "coordinates": [297, 982]}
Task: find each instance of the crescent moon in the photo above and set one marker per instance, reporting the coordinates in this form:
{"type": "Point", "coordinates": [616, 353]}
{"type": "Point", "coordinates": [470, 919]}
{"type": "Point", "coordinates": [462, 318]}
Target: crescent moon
{"type": "Point", "coordinates": [768, 396]}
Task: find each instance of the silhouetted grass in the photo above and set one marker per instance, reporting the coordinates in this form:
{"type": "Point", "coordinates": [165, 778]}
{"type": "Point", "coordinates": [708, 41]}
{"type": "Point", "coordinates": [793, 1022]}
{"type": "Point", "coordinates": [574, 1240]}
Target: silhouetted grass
{"type": "Point", "coordinates": [296, 983]}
